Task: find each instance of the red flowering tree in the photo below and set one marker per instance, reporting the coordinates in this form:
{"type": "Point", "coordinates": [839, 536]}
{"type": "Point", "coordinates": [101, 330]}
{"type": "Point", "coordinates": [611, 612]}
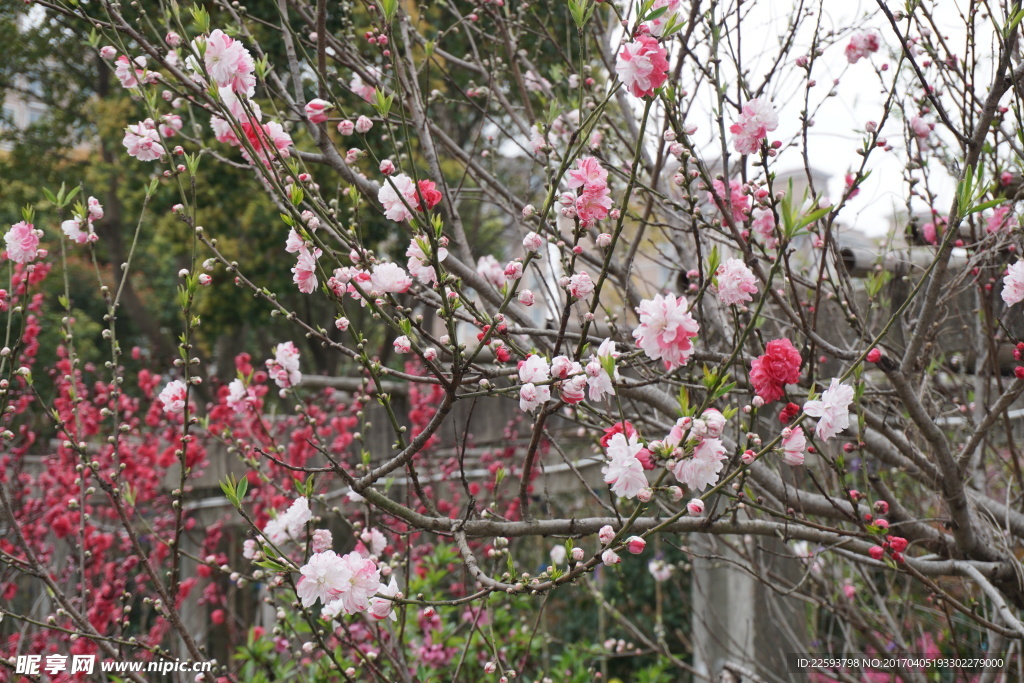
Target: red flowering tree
{"type": "Point", "coordinates": [683, 360]}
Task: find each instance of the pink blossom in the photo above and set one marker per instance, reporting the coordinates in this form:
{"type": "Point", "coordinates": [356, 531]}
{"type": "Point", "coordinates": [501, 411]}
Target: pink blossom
{"type": "Point", "coordinates": [389, 278]}
{"type": "Point", "coordinates": [735, 282]}
{"type": "Point", "coordinates": [130, 72]}
{"type": "Point", "coordinates": [861, 45]}
{"type": "Point", "coordinates": [304, 272]}
{"type": "Point", "coordinates": [108, 52]}
{"type": "Point", "coordinates": [269, 140]}
{"type": "Point", "coordinates": [624, 471]}
{"type": "Point", "coordinates": [572, 391]}
{"type": "Point", "coordinates": [173, 397]}
{"type": "Point", "coordinates": [393, 192]}
{"type": "Point", "coordinates": [381, 607]}
{"type": "Point", "coordinates": [170, 124]}
{"type": "Point", "coordinates": [79, 230]}
{"type": "Point", "coordinates": [763, 223]}
{"type": "Point", "coordinates": [363, 125]}
{"type": "Point", "coordinates": [513, 271]}
{"type": "Point", "coordinates": [832, 410]}
{"type": "Point", "coordinates": [793, 444]}
{"type": "Point", "coordinates": [316, 110]}
{"type": "Point", "coordinates": [321, 540]}
{"type": "Point", "coordinates": [402, 344]}
{"type": "Point", "coordinates": [419, 266]}
{"type": "Point", "coordinates": [229, 64]}
{"type": "Point", "coordinates": [635, 545]}
{"type": "Point", "coordinates": [294, 244]}
{"type": "Point", "coordinates": [739, 199]}
{"type": "Point", "coordinates": [143, 142]}
{"type": "Point", "coordinates": [531, 396]}
{"type": "Point", "coordinates": [660, 570]}
{"type": "Point", "coordinates": [921, 129]}
{"type": "Point", "coordinates": [599, 383]}
{"type": "Point", "coordinates": [1013, 283]}
{"type": "Point", "coordinates": [354, 595]}
{"type": "Point", "coordinates": [610, 557]}
{"type": "Point", "coordinates": [999, 221]}
{"type": "Point", "coordinates": [525, 297]}
{"type": "Point", "coordinates": [533, 242]}
{"type": "Point", "coordinates": [594, 200]}
{"type": "Point", "coordinates": [22, 242]}
{"type": "Point", "coordinates": [562, 367]}
{"type": "Point", "coordinates": [534, 369]}
{"type": "Point", "coordinates": [779, 366]}
{"type": "Point", "coordinates": [239, 397]}
{"type": "Point", "coordinates": [701, 470]}
{"type": "Point", "coordinates": [757, 118]}
{"type": "Point", "coordinates": [489, 269]}
{"type": "Point", "coordinates": [580, 285]}
{"type": "Point", "coordinates": [289, 524]}
{"type": "Point", "coordinates": [284, 366]}
{"type": "Point", "coordinates": [371, 543]}
{"type": "Point", "coordinates": [363, 89]}
{"type": "Point", "coordinates": [95, 209]}
{"type": "Point", "coordinates": [642, 66]}
{"type": "Point", "coordinates": [323, 578]}
{"type": "Point", "coordinates": [714, 422]}
{"type": "Point", "coordinates": [656, 27]}
{"type": "Point", "coordinates": [930, 233]}
{"type": "Point", "coordinates": [666, 330]}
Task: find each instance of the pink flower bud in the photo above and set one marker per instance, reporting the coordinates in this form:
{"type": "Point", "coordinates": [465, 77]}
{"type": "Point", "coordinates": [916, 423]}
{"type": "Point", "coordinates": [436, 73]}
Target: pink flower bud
{"type": "Point", "coordinates": [526, 297]}
{"type": "Point", "coordinates": [363, 125]}
{"type": "Point", "coordinates": [610, 557]}
{"type": "Point", "coordinates": [316, 110]}
{"type": "Point", "coordinates": [108, 52]}
{"type": "Point", "coordinates": [513, 270]}
{"type": "Point", "coordinates": [577, 554]}
{"type": "Point", "coordinates": [430, 354]}
{"type": "Point", "coordinates": [387, 167]}
{"type": "Point", "coordinates": [675, 493]}
{"type": "Point", "coordinates": [603, 240]}
{"type": "Point", "coordinates": [402, 344]}
{"type": "Point", "coordinates": [172, 39]}
{"type": "Point", "coordinates": [606, 534]}
{"type": "Point", "coordinates": [490, 668]}
{"type": "Point", "coordinates": [695, 507]}
{"type": "Point", "coordinates": [874, 355]}
{"type": "Point", "coordinates": [645, 495]}
{"type": "Point", "coordinates": [529, 210]}
{"type": "Point", "coordinates": [876, 552]}
{"type": "Point", "coordinates": [635, 545]}
{"type": "Point", "coordinates": [346, 127]}
{"type": "Point", "coordinates": [205, 280]}
{"type": "Point", "coordinates": [533, 242]}
{"type": "Point", "coordinates": [881, 507]}
{"type": "Point", "coordinates": [342, 323]}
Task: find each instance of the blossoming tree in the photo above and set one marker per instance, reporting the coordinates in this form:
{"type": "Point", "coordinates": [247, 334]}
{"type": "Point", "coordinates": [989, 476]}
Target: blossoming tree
{"type": "Point", "coordinates": [663, 319]}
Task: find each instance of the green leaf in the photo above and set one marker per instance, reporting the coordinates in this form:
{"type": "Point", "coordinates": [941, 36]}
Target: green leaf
{"type": "Point", "coordinates": [714, 258]}
{"type": "Point", "coordinates": [381, 103]}
{"type": "Point", "coordinates": [389, 9]}
{"type": "Point", "coordinates": [243, 486]}
{"type": "Point", "coordinates": [812, 216]}
{"type": "Point", "coordinates": [984, 205]}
